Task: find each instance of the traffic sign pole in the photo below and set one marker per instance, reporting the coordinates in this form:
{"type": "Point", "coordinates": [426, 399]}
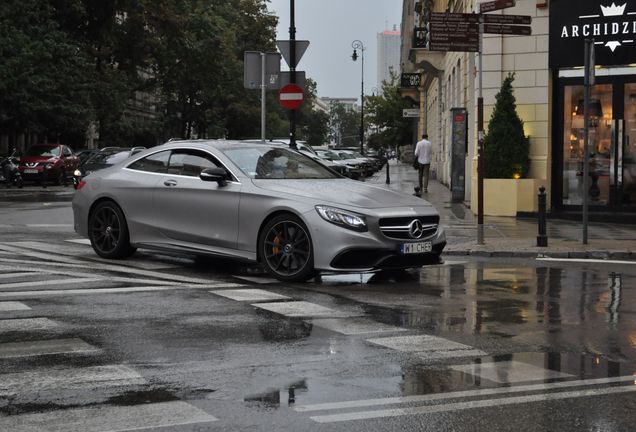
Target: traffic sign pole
{"type": "Point", "coordinates": [480, 141]}
{"type": "Point", "coordinates": [292, 69]}
{"type": "Point", "coordinates": [263, 94]}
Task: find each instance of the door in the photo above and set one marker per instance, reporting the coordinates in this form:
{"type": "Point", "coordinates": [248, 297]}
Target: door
{"type": "Point", "coordinates": [190, 210]}
{"type": "Point", "coordinates": [626, 157]}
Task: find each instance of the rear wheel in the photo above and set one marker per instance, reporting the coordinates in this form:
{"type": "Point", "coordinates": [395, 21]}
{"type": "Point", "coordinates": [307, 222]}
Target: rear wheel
{"type": "Point", "coordinates": [286, 249]}
{"type": "Point", "coordinates": [108, 231]}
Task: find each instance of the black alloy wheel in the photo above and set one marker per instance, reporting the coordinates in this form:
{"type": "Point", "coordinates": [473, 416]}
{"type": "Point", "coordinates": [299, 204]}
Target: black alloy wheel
{"type": "Point", "coordinates": [286, 249]}
{"type": "Point", "coordinates": [108, 231]}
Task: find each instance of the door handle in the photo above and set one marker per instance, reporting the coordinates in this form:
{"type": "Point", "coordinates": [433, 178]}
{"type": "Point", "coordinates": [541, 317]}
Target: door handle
{"type": "Point", "coordinates": [170, 183]}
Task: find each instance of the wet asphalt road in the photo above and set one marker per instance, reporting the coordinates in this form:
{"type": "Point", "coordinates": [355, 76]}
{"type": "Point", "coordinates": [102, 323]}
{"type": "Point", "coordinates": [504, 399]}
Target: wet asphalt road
{"type": "Point", "coordinates": [175, 344]}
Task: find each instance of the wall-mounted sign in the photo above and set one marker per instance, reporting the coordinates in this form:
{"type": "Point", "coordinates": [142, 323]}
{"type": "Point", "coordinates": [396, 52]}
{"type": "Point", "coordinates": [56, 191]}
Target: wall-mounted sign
{"type": "Point", "coordinates": [454, 32]}
{"type": "Point", "coordinates": [611, 25]}
{"type": "Point", "coordinates": [410, 80]}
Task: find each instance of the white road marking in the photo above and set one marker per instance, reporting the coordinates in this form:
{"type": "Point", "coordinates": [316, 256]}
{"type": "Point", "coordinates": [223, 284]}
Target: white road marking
{"type": "Point", "coordinates": [52, 282]}
{"type": "Point", "coordinates": [79, 241]}
{"type": "Point", "coordinates": [27, 324]}
{"type": "Point", "coordinates": [259, 280]}
{"type": "Point", "coordinates": [583, 260]}
{"type": "Point", "coordinates": [509, 372]}
{"type": "Point", "coordinates": [108, 418]}
{"type": "Point", "coordinates": [355, 326]}
{"type": "Point", "coordinates": [16, 275]}
{"type": "Point", "coordinates": [45, 347]}
{"type": "Point", "coordinates": [97, 266]}
{"type": "Point", "coordinates": [299, 309]}
{"type": "Point", "coordinates": [420, 343]}
{"type": "Point", "coordinates": [449, 354]}
{"type": "Point", "coordinates": [461, 394]}
{"type": "Point", "coordinates": [76, 378]}
{"type": "Point", "coordinates": [46, 293]}
{"type": "Point", "coordinates": [365, 415]}
{"type": "Point", "coordinates": [9, 306]}
{"type": "Point", "coordinates": [250, 295]}
{"type": "Point", "coordinates": [49, 225]}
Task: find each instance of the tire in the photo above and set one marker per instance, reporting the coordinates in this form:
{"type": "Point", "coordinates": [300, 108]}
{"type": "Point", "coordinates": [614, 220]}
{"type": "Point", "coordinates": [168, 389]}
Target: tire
{"type": "Point", "coordinates": [108, 231]}
{"type": "Point", "coordinates": [286, 250]}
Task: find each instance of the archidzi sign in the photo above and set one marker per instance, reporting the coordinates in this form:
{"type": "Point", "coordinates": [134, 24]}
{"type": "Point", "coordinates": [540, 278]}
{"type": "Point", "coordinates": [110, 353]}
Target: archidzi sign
{"type": "Point", "coordinates": [611, 25]}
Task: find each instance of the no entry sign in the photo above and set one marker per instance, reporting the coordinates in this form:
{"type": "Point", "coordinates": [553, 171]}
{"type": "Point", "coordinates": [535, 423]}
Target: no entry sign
{"type": "Point", "coordinates": [291, 96]}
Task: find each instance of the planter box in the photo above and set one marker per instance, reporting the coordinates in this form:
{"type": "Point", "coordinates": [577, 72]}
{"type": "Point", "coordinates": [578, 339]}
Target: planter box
{"type": "Point", "coordinates": [507, 197]}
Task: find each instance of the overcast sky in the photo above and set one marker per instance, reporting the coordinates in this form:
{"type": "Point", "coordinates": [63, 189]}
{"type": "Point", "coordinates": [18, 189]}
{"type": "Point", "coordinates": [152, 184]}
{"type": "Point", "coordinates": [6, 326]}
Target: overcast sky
{"type": "Point", "coordinates": [331, 26]}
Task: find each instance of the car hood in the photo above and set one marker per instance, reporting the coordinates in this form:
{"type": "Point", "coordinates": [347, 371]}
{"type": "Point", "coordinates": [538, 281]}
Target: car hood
{"type": "Point", "coordinates": [38, 159]}
{"type": "Point", "coordinates": [344, 192]}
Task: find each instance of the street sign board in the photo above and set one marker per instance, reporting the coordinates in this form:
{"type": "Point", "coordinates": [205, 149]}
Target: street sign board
{"type": "Point", "coordinates": [291, 96]}
{"type": "Point", "coordinates": [284, 46]}
{"type": "Point", "coordinates": [411, 80]}
{"type": "Point", "coordinates": [252, 63]}
{"type": "Point", "coordinates": [411, 112]}
{"type": "Point", "coordinates": [508, 19]}
{"type": "Point", "coordinates": [454, 32]}
{"type": "Point", "coordinates": [285, 78]}
{"type": "Point", "coordinates": [507, 29]}
{"type": "Point", "coordinates": [496, 5]}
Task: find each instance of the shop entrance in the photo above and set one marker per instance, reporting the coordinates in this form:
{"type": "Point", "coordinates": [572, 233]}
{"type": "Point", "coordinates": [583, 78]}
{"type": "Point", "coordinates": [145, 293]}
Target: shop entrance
{"type": "Point", "coordinates": [612, 146]}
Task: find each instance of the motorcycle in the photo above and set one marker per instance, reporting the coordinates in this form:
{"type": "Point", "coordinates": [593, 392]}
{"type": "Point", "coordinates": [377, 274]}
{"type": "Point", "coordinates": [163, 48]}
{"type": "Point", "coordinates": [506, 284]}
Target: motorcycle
{"type": "Point", "coordinates": [9, 172]}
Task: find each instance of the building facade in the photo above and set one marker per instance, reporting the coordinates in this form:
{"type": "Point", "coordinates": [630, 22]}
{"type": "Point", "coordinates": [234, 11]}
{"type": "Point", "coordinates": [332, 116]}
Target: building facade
{"type": "Point", "coordinates": [548, 87]}
{"type": "Point", "coordinates": [388, 55]}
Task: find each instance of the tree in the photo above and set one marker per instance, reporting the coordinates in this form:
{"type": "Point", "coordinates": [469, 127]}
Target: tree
{"type": "Point", "coordinates": [45, 79]}
{"type": "Point", "coordinates": [385, 112]}
{"type": "Point", "coordinates": [344, 125]}
{"type": "Point", "coordinates": [506, 146]}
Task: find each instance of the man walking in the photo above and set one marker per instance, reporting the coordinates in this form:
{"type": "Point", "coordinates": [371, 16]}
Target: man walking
{"type": "Point", "coordinates": [423, 155]}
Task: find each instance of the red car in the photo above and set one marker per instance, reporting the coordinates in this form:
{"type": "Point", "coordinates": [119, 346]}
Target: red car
{"type": "Point", "coordinates": [48, 163]}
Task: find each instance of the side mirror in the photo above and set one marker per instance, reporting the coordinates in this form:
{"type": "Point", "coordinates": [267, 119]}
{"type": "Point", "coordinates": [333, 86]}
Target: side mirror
{"type": "Point", "coordinates": [214, 174]}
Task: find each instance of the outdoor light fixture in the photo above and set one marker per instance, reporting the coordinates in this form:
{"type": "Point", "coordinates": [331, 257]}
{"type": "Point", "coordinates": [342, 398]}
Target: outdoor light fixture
{"type": "Point", "coordinates": [358, 45]}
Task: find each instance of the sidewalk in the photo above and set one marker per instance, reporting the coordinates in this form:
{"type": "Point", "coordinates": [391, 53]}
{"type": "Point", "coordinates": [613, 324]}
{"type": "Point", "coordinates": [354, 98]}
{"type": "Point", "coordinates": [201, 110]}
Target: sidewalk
{"type": "Point", "coordinates": [513, 237]}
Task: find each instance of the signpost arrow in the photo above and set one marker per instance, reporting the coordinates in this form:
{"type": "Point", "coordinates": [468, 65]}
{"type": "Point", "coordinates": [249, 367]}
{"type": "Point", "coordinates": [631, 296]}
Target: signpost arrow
{"type": "Point", "coordinates": [507, 29]}
{"type": "Point", "coordinates": [508, 19]}
{"type": "Point", "coordinates": [291, 96]}
{"type": "Point", "coordinates": [496, 5]}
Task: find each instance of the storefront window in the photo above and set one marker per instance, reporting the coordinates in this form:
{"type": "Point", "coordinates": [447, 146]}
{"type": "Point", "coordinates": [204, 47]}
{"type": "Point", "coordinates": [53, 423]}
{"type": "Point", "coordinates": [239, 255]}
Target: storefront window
{"type": "Point", "coordinates": [600, 145]}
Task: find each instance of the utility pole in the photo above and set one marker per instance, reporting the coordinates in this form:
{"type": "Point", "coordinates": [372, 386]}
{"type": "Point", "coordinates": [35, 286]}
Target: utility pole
{"type": "Point", "coordinates": [292, 70]}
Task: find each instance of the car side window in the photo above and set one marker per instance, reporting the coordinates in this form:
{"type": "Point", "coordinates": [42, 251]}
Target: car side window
{"type": "Point", "coordinates": [67, 152]}
{"type": "Point", "coordinates": [155, 163]}
{"type": "Point", "coordinates": [188, 162]}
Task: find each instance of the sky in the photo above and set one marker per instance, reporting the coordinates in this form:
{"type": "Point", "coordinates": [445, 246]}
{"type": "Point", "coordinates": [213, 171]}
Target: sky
{"type": "Point", "coordinates": [331, 26]}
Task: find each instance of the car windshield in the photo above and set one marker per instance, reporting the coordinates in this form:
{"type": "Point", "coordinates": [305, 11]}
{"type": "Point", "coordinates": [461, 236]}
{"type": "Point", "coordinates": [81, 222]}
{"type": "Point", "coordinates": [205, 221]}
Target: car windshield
{"type": "Point", "coordinates": [329, 155]}
{"type": "Point", "coordinates": [108, 158]}
{"type": "Point", "coordinates": [265, 162]}
{"type": "Point", "coordinates": [44, 151]}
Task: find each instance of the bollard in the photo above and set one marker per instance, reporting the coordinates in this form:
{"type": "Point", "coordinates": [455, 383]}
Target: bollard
{"type": "Point", "coordinates": [542, 238]}
{"type": "Point", "coordinates": [388, 179]}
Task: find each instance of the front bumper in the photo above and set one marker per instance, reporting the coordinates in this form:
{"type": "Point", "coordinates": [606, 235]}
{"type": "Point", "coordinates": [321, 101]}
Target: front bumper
{"type": "Point", "coordinates": [341, 249]}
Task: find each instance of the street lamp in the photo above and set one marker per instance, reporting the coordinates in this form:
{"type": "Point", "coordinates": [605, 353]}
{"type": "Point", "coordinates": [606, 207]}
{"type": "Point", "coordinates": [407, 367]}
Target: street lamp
{"type": "Point", "coordinates": [358, 45]}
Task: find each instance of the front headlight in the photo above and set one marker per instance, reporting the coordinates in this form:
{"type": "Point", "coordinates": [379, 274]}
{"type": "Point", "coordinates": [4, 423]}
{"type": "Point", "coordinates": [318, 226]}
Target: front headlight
{"type": "Point", "coordinates": [343, 218]}
{"type": "Point", "coordinates": [77, 173]}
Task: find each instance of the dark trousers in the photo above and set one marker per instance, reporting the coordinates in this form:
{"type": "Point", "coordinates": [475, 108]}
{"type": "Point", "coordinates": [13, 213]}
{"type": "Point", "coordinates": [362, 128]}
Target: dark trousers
{"type": "Point", "coordinates": [423, 176]}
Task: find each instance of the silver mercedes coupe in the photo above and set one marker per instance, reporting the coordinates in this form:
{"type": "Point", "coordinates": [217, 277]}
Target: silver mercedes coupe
{"type": "Point", "coordinates": [258, 202]}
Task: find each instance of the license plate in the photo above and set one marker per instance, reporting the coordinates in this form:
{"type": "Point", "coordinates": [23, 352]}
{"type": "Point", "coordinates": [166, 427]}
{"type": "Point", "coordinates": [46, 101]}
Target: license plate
{"type": "Point", "coordinates": [416, 248]}
{"type": "Point", "coordinates": [30, 171]}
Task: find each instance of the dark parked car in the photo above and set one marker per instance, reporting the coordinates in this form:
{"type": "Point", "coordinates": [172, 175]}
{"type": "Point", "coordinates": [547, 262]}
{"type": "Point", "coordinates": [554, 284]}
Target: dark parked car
{"type": "Point", "coordinates": [45, 163]}
{"type": "Point", "coordinates": [101, 159]}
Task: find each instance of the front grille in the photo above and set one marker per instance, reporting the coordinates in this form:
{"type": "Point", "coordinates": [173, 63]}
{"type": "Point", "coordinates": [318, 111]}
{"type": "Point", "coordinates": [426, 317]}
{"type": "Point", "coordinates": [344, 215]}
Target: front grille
{"type": "Point", "coordinates": [399, 227]}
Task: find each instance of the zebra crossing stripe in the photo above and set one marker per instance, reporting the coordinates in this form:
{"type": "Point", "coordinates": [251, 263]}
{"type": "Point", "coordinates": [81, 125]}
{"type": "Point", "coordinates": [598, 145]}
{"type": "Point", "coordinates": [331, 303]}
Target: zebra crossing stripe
{"type": "Point", "coordinates": [458, 406]}
{"type": "Point", "coordinates": [124, 290]}
{"type": "Point", "coordinates": [300, 309]}
{"type": "Point", "coordinates": [249, 295]}
{"type": "Point", "coordinates": [355, 326]}
{"type": "Point", "coordinates": [27, 324]}
{"type": "Point", "coordinates": [10, 306]}
{"type": "Point", "coordinates": [44, 347]}
{"type": "Point", "coordinates": [108, 418]}
{"type": "Point", "coordinates": [68, 379]}
{"type": "Point", "coordinates": [439, 397]}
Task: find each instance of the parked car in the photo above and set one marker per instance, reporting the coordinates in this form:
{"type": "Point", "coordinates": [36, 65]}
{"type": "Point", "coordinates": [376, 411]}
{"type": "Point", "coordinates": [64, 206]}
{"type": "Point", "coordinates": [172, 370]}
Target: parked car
{"type": "Point", "coordinates": [46, 163]}
{"type": "Point", "coordinates": [101, 159]}
{"type": "Point", "coordinates": [354, 171]}
{"type": "Point", "coordinates": [257, 202]}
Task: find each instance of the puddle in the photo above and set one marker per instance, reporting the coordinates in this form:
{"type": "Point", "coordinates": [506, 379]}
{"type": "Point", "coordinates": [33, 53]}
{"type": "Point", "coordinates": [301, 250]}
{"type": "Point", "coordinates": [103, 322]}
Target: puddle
{"type": "Point", "coordinates": [143, 397]}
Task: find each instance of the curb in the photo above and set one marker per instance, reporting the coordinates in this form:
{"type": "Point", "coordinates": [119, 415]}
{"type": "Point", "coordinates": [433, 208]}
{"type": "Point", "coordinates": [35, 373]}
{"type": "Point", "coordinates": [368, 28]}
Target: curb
{"type": "Point", "coordinates": [592, 254]}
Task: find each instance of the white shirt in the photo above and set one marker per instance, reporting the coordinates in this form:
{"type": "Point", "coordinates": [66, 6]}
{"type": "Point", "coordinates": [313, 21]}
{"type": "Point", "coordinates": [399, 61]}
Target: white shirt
{"type": "Point", "coordinates": [423, 151]}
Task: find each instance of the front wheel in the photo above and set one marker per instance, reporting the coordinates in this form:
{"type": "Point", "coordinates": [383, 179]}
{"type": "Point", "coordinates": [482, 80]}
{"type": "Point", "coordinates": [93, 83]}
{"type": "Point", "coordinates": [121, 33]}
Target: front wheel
{"type": "Point", "coordinates": [108, 231]}
{"type": "Point", "coordinates": [286, 250]}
